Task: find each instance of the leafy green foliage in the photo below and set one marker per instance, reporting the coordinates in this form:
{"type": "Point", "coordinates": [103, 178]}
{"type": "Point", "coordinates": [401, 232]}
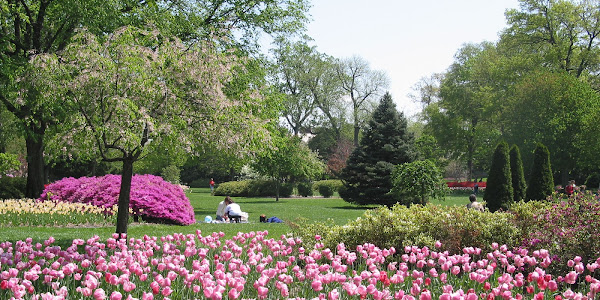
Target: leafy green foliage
{"type": "Point", "coordinates": [171, 174]}
{"type": "Point", "coordinates": [455, 227]}
{"type": "Point", "coordinates": [328, 187]}
{"type": "Point", "coordinates": [541, 182]}
{"type": "Point", "coordinates": [253, 188]}
{"type": "Point", "coordinates": [305, 188]}
{"type": "Point", "coordinates": [12, 187]}
{"type": "Point", "coordinates": [429, 149]}
{"type": "Point", "coordinates": [233, 188]}
{"type": "Point", "coordinates": [518, 177]}
{"type": "Point", "coordinates": [554, 107]}
{"type": "Point", "coordinates": [386, 143]}
{"type": "Point", "coordinates": [290, 158]}
{"type": "Point", "coordinates": [417, 182]}
{"type": "Point", "coordinates": [499, 191]}
{"type": "Point", "coordinates": [8, 162]}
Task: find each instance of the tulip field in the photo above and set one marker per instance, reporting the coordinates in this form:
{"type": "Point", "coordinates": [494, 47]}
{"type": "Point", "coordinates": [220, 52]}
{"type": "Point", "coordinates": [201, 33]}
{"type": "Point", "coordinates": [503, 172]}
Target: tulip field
{"type": "Point", "coordinates": [210, 261]}
{"type": "Point", "coordinates": [255, 266]}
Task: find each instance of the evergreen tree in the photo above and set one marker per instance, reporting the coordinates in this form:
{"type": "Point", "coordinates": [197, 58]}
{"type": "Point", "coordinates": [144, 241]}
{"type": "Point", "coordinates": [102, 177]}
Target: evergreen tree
{"type": "Point", "coordinates": [386, 143]}
{"type": "Point", "coordinates": [541, 182]}
{"type": "Point", "coordinates": [516, 172]}
{"type": "Point", "coordinates": [499, 191]}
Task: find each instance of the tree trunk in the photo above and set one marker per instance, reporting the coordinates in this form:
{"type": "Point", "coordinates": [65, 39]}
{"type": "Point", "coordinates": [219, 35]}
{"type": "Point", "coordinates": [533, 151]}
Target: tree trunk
{"type": "Point", "coordinates": [277, 190]}
{"type": "Point", "coordinates": [356, 130]}
{"type": "Point", "coordinates": [35, 165]}
{"type": "Point", "coordinates": [123, 204]}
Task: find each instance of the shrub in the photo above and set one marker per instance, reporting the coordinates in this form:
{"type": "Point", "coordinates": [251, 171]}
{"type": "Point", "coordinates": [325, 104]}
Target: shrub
{"type": "Point", "coordinates": [516, 173]}
{"type": "Point", "coordinates": [305, 189]}
{"type": "Point", "coordinates": [568, 229]}
{"type": "Point", "coordinates": [151, 197]}
{"type": "Point", "coordinates": [327, 188]}
{"type": "Point", "coordinates": [499, 192]}
{"type": "Point", "coordinates": [12, 187]}
{"type": "Point", "coordinates": [268, 188]}
{"type": "Point", "coordinates": [233, 188]}
{"type": "Point", "coordinates": [253, 188]}
{"type": "Point", "coordinates": [455, 227]}
{"type": "Point", "coordinates": [541, 182]}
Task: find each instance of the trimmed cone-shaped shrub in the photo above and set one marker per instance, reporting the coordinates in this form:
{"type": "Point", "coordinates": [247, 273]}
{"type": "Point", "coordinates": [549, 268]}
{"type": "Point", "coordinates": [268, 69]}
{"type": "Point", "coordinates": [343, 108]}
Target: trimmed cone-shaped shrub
{"type": "Point", "coordinates": [499, 191]}
{"type": "Point", "coordinates": [541, 182]}
{"type": "Point", "coordinates": [516, 171]}
{"type": "Point", "coordinates": [152, 198]}
{"type": "Point", "coordinates": [386, 143]}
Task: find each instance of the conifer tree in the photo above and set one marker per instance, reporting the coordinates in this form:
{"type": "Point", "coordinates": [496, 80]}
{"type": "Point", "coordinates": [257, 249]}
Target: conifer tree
{"type": "Point", "coordinates": [516, 171]}
{"type": "Point", "coordinates": [386, 143]}
{"type": "Point", "coordinates": [499, 191]}
{"type": "Point", "coordinates": [541, 182]}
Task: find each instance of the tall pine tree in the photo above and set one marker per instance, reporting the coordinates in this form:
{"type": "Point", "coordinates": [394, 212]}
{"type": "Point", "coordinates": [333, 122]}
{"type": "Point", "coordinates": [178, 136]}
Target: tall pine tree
{"type": "Point", "coordinates": [499, 191]}
{"type": "Point", "coordinates": [541, 182]}
{"type": "Point", "coordinates": [516, 171]}
{"type": "Point", "coordinates": [386, 143]}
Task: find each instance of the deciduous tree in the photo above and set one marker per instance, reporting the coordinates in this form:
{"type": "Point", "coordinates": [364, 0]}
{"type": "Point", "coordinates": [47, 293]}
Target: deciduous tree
{"type": "Point", "coordinates": [139, 88]}
{"type": "Point", "coordinates": [289, 158]}
{"type": "Point", "coordinates": [362, 85]}
{"type": "Point", "coordinates": [417, 182]}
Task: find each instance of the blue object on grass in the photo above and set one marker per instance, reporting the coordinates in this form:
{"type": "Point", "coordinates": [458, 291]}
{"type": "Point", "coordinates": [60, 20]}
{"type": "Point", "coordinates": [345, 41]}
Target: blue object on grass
{"type": "Point", "coordinates": [274, 220]}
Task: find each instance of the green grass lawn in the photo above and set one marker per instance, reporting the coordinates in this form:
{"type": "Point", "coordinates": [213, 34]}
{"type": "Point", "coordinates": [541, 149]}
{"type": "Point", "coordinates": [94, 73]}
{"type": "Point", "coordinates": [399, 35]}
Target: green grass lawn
{"type": "Point", "coordinates": [311, 209]}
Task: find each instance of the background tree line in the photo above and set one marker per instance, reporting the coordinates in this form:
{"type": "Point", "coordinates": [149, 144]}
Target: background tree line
{"type": "Point", "coordinates": [537, 84]}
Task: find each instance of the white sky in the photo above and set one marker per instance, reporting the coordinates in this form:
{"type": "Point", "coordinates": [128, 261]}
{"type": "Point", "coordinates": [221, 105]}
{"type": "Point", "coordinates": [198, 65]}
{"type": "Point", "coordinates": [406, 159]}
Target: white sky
{"type": "Point", "coordinates": [408, 39]}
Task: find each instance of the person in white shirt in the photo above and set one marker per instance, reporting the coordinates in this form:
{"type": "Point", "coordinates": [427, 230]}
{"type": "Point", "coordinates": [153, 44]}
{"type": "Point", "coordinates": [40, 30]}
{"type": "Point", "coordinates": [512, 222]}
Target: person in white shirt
{"type": "Point", "coordinates": [233, 210]}
{"type": "Point", "coordinates": [221, 210]}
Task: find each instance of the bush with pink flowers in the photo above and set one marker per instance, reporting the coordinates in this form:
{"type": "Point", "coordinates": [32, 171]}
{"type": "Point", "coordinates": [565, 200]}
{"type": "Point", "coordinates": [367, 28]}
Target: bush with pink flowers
{"type": "Point", "coordinates": [152, 198]}
{"type": "Point", "coordinates": [567, 229]}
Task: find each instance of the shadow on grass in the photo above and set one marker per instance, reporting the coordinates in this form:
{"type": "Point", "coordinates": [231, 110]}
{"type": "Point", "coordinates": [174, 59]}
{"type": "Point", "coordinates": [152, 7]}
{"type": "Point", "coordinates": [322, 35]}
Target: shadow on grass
{"type": "Point", "coordinates": [203, 212]}
{"type": "Point", "coordinates": [354, 207]}
{"type": "Point", "coordinates": [259, 202]}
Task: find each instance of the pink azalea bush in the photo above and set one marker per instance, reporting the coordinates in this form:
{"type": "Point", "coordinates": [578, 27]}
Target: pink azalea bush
{"type": "Point", "coordinates": [254, 266]}
{"type": "Point", "coordinates": [151, 197]}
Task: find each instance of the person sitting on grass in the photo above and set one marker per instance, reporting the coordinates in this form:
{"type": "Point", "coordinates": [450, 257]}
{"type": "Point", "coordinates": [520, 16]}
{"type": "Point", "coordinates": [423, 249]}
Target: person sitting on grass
{"type": "Point", "coordinates": [221, 209]}
{"type": "Point", "coordinates": [474, 204]}
{"type": "Point", "coordinates": [233, 210]}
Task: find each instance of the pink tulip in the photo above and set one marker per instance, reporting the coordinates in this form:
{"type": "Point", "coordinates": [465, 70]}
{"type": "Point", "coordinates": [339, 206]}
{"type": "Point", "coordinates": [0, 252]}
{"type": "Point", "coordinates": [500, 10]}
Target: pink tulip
{"type": "Point", "coordinates": [99, 294]}
{"type": "Point", "coordinates": [116, 296]}
{"type": "Point", "coordinates": [262, 292]}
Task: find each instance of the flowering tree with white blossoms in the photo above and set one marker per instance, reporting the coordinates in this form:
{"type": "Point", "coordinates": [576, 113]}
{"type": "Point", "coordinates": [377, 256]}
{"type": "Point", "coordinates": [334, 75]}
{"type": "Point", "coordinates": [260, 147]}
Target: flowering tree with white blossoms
{"type": "Point", "coordinates": [138, 88]}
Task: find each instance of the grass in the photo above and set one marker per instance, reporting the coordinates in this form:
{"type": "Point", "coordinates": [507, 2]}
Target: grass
{"type": "Point", "coordinates": [311, 209]}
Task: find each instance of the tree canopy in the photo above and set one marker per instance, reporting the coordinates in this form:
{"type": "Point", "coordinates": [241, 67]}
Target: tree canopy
{"type": "Point", "coordinates": [139, 88]}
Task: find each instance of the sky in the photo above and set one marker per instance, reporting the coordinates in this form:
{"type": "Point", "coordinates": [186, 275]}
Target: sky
{"type": "Point", "coordinates": [406, 39]}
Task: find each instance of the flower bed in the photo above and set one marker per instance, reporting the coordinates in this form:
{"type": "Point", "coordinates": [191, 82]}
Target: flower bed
{"type": "Point", "coordinates": [29, 212]}
{"type": "Point", "coordinates": [151, 197]}
{"type": "Point", "coordinates": [254, 266]}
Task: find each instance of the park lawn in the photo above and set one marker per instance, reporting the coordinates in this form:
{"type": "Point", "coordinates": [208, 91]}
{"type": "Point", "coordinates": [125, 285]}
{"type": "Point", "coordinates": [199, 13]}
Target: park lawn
{"type": "Point", "coordinates": [310, 209]}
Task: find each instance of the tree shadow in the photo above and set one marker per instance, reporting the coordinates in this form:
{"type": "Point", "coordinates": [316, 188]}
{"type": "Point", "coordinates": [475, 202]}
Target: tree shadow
{"type": "Point", "coordinates": [348, 207]}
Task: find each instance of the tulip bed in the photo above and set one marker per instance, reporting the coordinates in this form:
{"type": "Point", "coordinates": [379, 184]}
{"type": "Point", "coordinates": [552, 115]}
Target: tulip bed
{"type": "Point", "coordinates": [30, 212]}
{"type": "Point", "coordinates": [254, 266]}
